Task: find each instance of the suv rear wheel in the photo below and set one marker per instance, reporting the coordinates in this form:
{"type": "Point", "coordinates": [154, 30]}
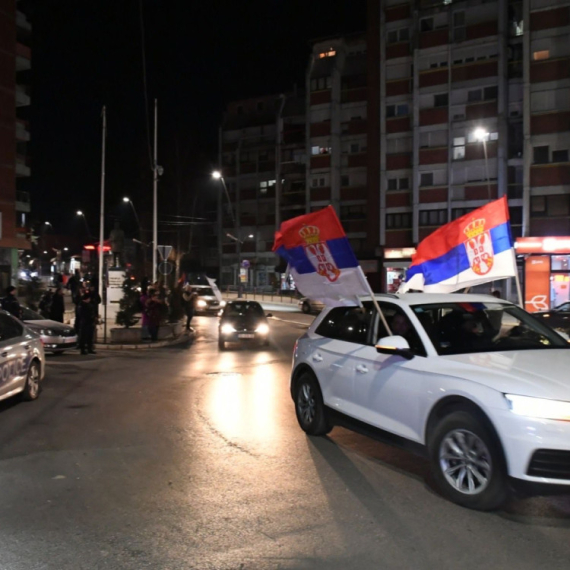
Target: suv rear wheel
{"type": "Point", "coordinates": [467, 462]}
{"type": "Point", "coordinates": [32, 386]}
{"type": "Point", "coordinates": [309, 406]}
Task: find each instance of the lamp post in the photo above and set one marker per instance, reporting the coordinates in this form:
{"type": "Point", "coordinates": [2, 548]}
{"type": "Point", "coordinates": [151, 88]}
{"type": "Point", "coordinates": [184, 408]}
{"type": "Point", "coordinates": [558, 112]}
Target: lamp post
{"type": "Point", "coordinates": [482, 135]}
{"type": "Point", "coordinates": [218, 176]}
{"type": "Point", "coordinates": [127, 200]}
{"type": "Point", "coordinates": [80, 214]}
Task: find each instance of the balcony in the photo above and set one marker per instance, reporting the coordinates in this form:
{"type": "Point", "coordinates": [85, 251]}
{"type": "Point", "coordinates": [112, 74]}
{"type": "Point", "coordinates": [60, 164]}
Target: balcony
{"type": "Point", "coordinates": [22, 97]}
{"type": "Point", "coordinates": [23, 57]}
{"type": "Point", "coordinates": [22, 132]}
{"type": "Point", "coordinates": [22, 169]}
{"type": "Point", "coordinates": [23, 201]}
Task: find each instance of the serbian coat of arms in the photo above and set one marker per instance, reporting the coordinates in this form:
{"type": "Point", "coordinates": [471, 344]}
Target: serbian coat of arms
{"type": "Point", "coordinates": [318, 253]}
{"type": "Point", "coordinates": [479, 247]}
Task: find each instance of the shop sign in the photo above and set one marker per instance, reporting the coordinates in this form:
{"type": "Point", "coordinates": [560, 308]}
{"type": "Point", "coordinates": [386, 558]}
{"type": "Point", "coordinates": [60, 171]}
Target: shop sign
{"type": "Point", "coordinates": [542, 245]}
{"type": "Point", "coordinates": [243, 275]}
{"type": "Point", "coordinates": [537, 283]}
{"type": "Point", "coordinates": [399, 252]}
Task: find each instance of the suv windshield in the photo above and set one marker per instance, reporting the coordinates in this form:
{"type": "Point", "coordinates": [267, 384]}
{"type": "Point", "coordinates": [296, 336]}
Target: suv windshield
{"type": "Point", "coordinates": [460, 328]}
{"type": "Point", "coordinates": [29, 315]}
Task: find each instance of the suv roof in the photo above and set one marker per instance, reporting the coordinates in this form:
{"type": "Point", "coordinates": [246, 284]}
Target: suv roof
{"type": "Point", "coordinates": [427, 298]}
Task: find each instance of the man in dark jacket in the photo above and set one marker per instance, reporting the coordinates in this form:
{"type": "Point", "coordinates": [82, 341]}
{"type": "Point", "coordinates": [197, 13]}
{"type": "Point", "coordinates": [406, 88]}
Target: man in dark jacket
{"type": "Point", "coordinates": [10, 302]}
{"type": "Point", "coordinates": [87, 318]}
{"type": "Point", "coordinates": [57, 308]}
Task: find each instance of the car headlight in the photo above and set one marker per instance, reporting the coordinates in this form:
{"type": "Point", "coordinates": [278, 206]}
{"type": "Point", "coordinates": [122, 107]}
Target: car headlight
{"type": "Point", "coordinates": [201, 303]}
{"type": "Point", "coordinates": [539, 407]}
{"type": "Point", "coordinates": [222, 303]}
{"type": "Point", "coordinates": [262, 329]}
{"type": "Point", "coordinates": [46, 332]}
{"type": "Point", "coordinates": [227, 329]}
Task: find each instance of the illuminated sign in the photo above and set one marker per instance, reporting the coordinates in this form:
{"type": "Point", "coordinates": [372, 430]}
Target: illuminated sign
{"type": "Point", "coordinates": [91, 247]}
{"type": "Point", "coordinates": [542, 245]}
{"type": "Point", "coordinates": [399, 252]}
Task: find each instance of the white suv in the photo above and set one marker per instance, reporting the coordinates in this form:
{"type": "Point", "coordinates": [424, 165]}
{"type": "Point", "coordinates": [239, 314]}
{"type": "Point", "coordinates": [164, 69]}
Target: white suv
{"type": "Point", "coordinates": [477, 384]}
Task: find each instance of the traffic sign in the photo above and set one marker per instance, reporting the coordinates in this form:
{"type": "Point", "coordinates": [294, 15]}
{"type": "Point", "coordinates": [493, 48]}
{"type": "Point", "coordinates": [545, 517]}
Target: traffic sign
{"type": "Point", "coordinates": [164, 251]}
{"type": "Point", "coordinates": [165, 268]}
{"type": "Point", "coordinates": [245, 264]}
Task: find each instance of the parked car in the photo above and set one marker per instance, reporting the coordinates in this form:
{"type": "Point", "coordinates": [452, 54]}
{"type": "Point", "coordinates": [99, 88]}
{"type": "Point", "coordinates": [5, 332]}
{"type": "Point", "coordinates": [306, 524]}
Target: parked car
{"type": "Point", "coordinates": [310, 305]}
{"type": "Point", "coordinates": [55, 336]}
{"type": "Point", "coordinates": [476, 384]}
{"type": "Point", "coordinates": [22, 359]}
{"type": "Point", "coordinates": [206, 301]}
{"type": "Point", "coordinates": [243, 321]}
{"type": "Point", "coordinates": [557, 318]}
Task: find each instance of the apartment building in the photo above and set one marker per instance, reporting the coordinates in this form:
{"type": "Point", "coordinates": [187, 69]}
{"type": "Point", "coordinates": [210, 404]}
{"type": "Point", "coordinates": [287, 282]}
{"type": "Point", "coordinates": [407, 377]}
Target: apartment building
{"type": "Point", "coordinates": [15, 55]}
{"type": "Point", "coordinates": [262, 157]}
{"type": "Point", "coordinates": [473, 103]}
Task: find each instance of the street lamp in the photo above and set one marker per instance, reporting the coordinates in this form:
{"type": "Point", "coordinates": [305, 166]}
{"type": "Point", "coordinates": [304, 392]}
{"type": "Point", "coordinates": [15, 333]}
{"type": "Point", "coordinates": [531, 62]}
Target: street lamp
{"type": "Point", "coordinates": [217, 175]}
{"type": "Point", "coordinates": [80, 214]}
{"type": "Point", "coordinates": [481, 135]}
{"type": "Point", "coordinates": [127, 200]}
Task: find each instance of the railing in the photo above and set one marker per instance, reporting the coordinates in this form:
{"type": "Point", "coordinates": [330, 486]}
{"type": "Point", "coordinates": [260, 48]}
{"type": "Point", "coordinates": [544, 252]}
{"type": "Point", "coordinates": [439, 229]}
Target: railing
{"type": "Point", "coordinates": [264, 294]}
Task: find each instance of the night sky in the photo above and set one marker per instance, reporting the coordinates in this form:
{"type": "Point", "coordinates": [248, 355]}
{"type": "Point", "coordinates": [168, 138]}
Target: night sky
{"type": "Point", "coordinates": [200, 55]}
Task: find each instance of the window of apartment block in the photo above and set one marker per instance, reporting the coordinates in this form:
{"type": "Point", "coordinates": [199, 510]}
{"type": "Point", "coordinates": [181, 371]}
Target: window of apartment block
{"type": "Point", "coordinates": [474, 95]}
{"type": "Point", "coordinates": [322, 181]}
{"type": "Point", "coordinates": [426, 24]}
{"type": "Point", "coordinates": [403, 183]}
{"type": "Point", "coordinates": [398, 145]}
{"type": "Point", "coordinates": [426, 179]}
{"type": "Point", "coordinates": [559, 156]}
{"type": "Point", "coordinates": [401, 35]}
{"type": "Point", "coordinates": [320, 83]}
{"type": "Point", "coordinates": [397, 110]}
{"type": "Point", "coordinates": [541, 154]}
{"type": "Point", "coordinates": [357, 212]}
{"type": "Point", "coordinates": [432, 217]}
{"type": "Point", "coordinates": [263, 156]}
{"type": "Point", "coordinates": [354, 148]}
{"type": "Point", "coordinates": [490, 93]}
{"type": "Point", "coordinates": [459, 27]}
{"type": "Point", "coordinates": [537, 205]}
{"type": "Point", "coordinates": [540, 55]}
{"type": "Point", "coordinates": [441, 100]}
{"type": "Point", "coordinates": [392, 183]}
{"type": "Point", "coordinates": [260, 106]}
{"type": "Point", "coordinates": [458, 148]}
{"type": "Point", "coordinates": [398, 221]}
{"type": "Point", "coordinates": [344, 180]}
{"type": "Point", "coordinates": [458, 212]}
{"type": "Point", "coordinates": [433, 139]}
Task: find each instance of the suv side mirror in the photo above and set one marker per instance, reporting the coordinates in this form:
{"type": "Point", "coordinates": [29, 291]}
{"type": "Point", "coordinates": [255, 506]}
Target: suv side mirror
{"type": "Point", "coordinates": [394, 345]}
{"type": "Point", "coordinates": [269, 315]}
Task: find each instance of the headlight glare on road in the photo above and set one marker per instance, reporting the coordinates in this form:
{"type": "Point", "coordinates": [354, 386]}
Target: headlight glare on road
{"type": "Point", "coordinates": [262, 329]}
{"type": "Point", "coordinates": [201, 303]}
{"type": "Point", "coordinates": [222, 303]}
{"type": "Point", "coordinates": [539, 407]}
{"type": "Point", "coordinates": [228, 329]}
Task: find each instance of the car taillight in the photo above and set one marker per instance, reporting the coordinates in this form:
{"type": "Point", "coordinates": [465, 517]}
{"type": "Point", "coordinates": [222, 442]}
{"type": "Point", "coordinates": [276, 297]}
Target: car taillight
{"type": "Point", "coordinates": [295, 346]}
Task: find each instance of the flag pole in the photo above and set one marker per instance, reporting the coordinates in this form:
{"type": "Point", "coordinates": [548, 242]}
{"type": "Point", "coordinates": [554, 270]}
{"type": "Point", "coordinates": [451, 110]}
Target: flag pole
{"type": "Point", "coordinates": [376, 305]}
{"type": "Point", "coordinates": [519, 290]}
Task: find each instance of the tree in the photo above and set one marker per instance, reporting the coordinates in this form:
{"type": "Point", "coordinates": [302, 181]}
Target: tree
{"type": "Point", "coordinates": [129, 305]}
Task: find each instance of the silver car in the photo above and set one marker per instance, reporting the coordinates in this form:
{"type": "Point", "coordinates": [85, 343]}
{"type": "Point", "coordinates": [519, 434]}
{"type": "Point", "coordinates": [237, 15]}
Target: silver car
{"type": "Point", "coordinates": [310, 305]}
{"type": "Point", "coordinates": [22, 359]}
{"type": "Point", "coordinates": [55, 336]}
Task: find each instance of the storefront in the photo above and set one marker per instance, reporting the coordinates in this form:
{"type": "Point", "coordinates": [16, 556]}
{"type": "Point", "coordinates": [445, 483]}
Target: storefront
{"type": "Point", "coordinates": [396, 262]}
{"type": "Point", "coordinates": [546, 271]}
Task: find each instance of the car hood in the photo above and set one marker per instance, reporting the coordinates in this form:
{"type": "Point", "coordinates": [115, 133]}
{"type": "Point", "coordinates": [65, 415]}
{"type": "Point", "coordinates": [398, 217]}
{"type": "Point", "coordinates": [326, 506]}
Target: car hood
{"type": "Point", "coordinates": [47, 324]}
{"type": "Point", "coordinates": [538, 373]}
{"type": "Point", "coordinates": [244, 322]}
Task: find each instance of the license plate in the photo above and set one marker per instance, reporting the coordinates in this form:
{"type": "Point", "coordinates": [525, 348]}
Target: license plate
{"type": "Point", "coordinates": [69, 340]}
{"type": "Point", "coordinates": [246, 335]}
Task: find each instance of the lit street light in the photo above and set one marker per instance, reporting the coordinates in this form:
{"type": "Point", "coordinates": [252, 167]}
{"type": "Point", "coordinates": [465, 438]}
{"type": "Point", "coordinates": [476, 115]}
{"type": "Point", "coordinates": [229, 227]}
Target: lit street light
{"type": "Point", "coordinates": [80, 214]}
{"type": "Point", "coordinates": [217, 175]}
{"type": "Point", "coordinates": [482, 135]}
{"type": "Point", "coordinates": [127, 200]}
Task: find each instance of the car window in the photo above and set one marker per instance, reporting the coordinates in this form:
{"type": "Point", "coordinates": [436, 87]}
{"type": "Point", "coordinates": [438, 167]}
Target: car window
{"type": "Point", "coordinates": [351, 324]}
{"type": "Point", "coordinates": [242, 309]}
{"type": "Point", "coordinates": [564, 307]}
{"type": "Point", "coordinates": [29, 315]}
{"type": "Point", "coordinates": [205, 291]}
{"type": "Point", "coordinates": [9, 328]}
{"type": "Point", "coordinates": [400, 325]}
{"type": "Point", "coordinates": [460, 328]}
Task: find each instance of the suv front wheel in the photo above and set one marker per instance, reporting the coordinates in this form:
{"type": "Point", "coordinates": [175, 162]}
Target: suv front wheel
{"type": "Point", "coordinates": [309, 406]}
{"type": "Point", "coordinates": [467, 462]}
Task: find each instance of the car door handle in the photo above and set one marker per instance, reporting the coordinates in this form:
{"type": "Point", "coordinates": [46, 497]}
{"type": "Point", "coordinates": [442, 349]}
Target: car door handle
{"type": "Point", "coordinates": [4, 354]}
{"type": "Point", "coordinates": [361, 368]}
{"type": "Point", "coordinates": [317, 358]}
{"type": "Point", "coordinates": [27, 347]}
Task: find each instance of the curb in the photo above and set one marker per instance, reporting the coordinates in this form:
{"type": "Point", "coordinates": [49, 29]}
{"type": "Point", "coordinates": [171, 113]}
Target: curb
{"type": "Point", "coordinates": [146, 345]}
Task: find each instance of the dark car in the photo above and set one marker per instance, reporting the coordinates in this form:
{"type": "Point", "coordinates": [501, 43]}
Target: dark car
{"type": "Point", "coordinates": [243, 321]}
{"type": "Point", "coordinates": [557, 318]}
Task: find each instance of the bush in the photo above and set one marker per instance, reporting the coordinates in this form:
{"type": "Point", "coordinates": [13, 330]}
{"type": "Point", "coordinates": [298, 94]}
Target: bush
{"type": "Point", "coordinates": [129, 306]}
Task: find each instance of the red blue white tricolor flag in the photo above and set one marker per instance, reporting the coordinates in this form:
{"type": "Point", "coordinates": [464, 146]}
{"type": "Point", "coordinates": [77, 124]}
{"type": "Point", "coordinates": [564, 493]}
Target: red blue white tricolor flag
{"type": "Point", "coordinates": [476, 248]}
{"type": "Point", "coordinates": [320, 258]}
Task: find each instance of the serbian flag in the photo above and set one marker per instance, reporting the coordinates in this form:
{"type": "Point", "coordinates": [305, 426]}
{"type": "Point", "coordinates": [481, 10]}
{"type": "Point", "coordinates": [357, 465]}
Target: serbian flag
{"type": "Point", "coordinates": [476, 248]}
{"type": "Point", "coordinates": [320, 258]}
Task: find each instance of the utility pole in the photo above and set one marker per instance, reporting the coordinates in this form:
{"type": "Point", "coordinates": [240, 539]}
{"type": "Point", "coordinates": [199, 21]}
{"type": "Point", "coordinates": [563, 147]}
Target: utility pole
{"type": "Point", "coordinates": [102, 214]}
{"type": "Point", "coordinates": [155, 198]}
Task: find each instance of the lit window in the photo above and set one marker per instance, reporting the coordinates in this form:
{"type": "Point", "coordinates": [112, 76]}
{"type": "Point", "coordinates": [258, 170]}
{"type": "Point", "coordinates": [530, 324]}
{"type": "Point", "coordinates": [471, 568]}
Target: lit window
{"type": "Point", "coordinates": [542, 54]}
{"type": "Point", "coordinates": [315, 149]}
{"type": "Point", "coordinates": [330, 53]}
{"type": "Point", "coordinates": [458, 148]}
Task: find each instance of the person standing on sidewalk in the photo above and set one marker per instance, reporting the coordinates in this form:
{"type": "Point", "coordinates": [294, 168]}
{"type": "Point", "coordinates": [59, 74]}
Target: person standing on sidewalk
{"type": "Point", "coordinates": [154, 312]}
{"type": "Point", "coordinates": [87, 318]}
{"type": "Point", "coordinates": [189, 298]}
{"type": "Point", "coordinates": [57, 308]}
{"type": "Point", "coordinates": [10, 302]}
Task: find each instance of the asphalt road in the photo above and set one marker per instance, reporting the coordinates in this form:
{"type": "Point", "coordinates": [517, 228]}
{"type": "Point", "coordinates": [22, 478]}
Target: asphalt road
{"type": "Point", "coordinates": [184, 457]}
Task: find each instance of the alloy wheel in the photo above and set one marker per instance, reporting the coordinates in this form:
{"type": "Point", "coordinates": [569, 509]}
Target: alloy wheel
{"type": "Point", "coordinates": [306, 404]}
{"type": "Point", "coordinates": [465, 462]}
{"type": "Point", "coordinates": [34, 380]}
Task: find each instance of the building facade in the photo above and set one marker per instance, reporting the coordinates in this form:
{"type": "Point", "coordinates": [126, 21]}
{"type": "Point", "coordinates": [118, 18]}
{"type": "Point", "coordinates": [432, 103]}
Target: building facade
{"type": "Point", "coordinates": [15, 54]}
{"type": "Point", "coordinates": [472, 103]}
